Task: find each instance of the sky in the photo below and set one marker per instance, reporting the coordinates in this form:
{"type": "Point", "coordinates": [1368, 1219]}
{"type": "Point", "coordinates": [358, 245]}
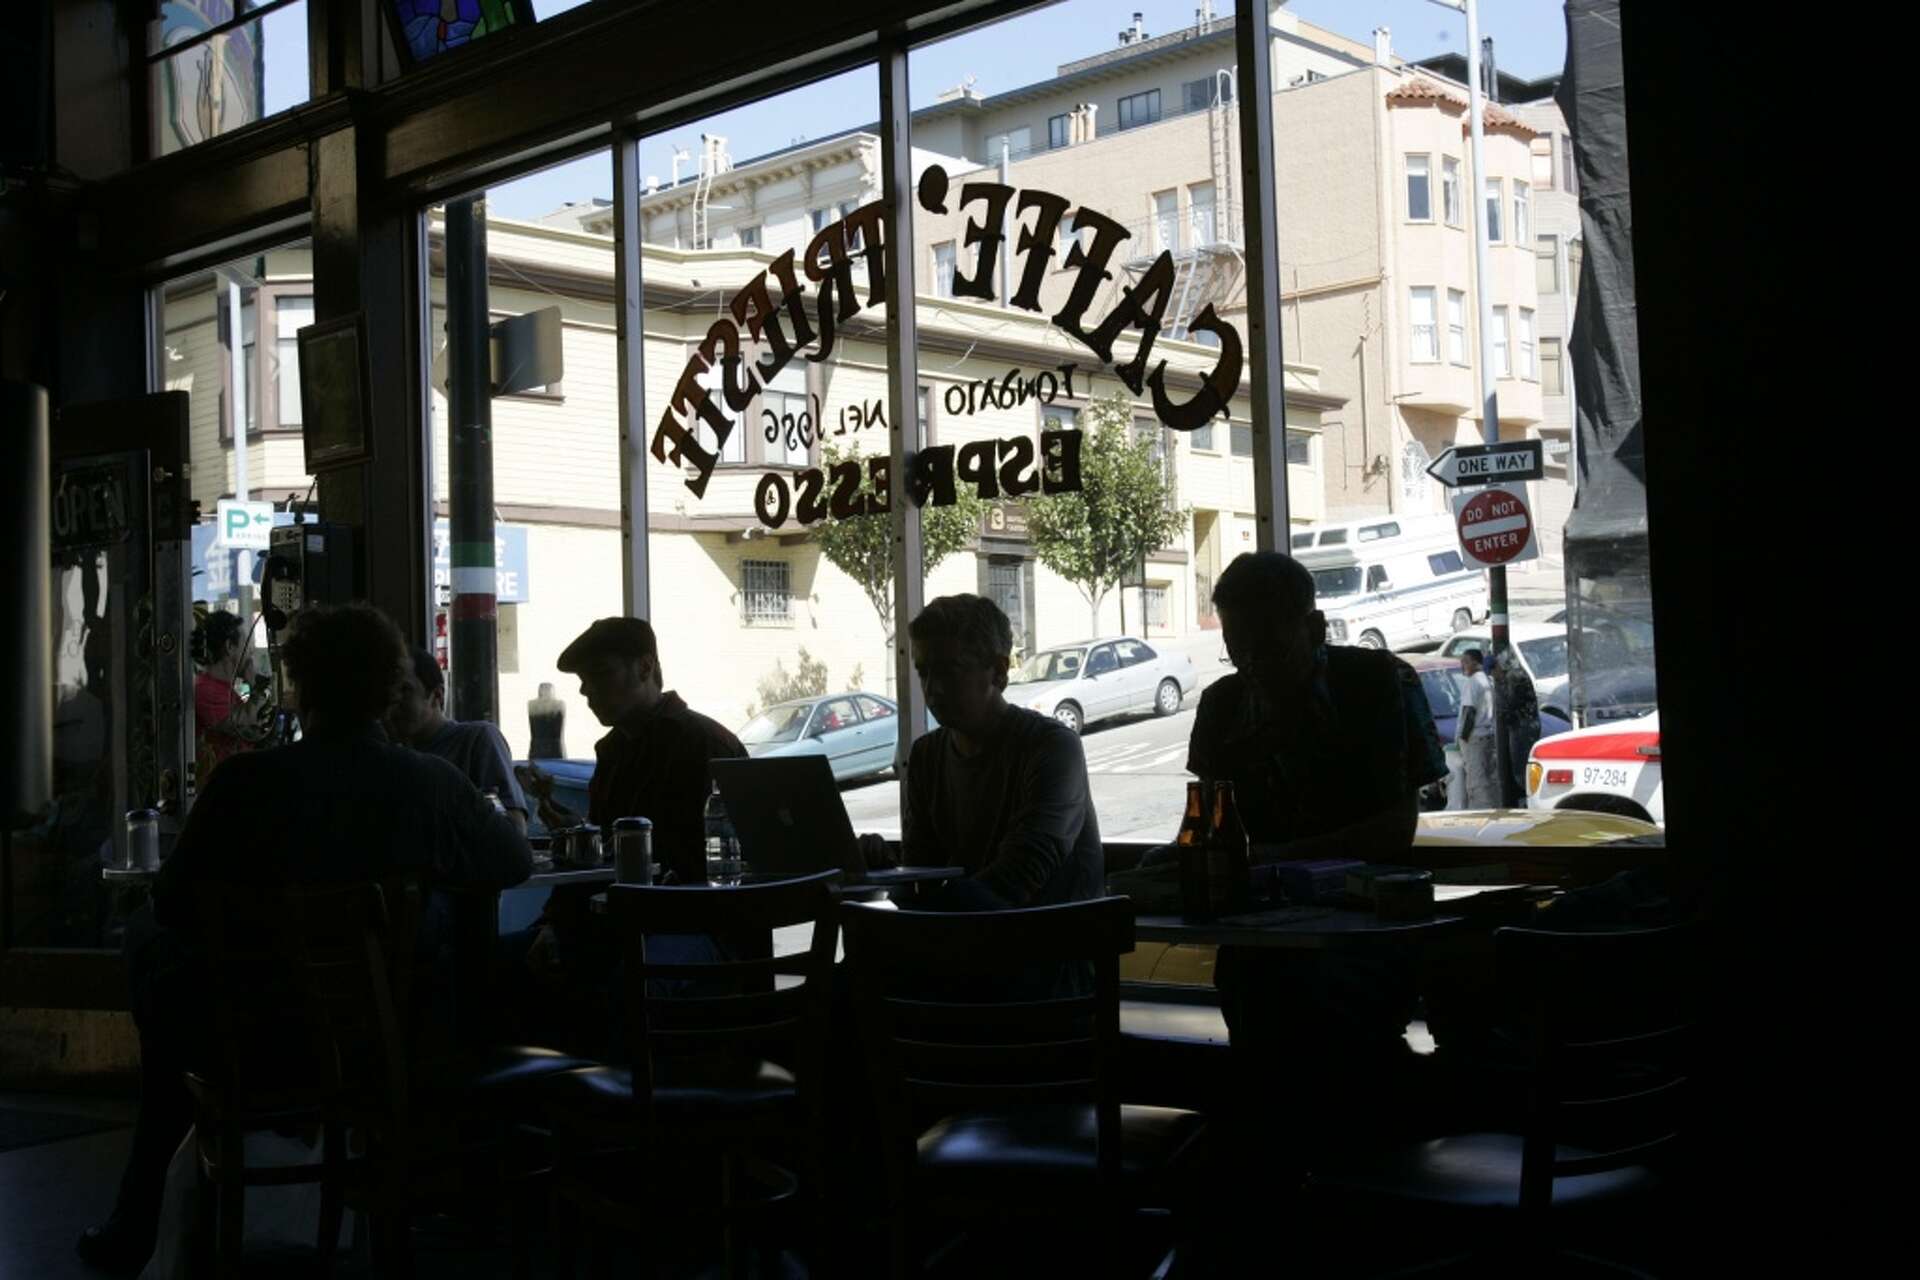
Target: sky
{"type": "Point", "coordinates": [1529, 41]}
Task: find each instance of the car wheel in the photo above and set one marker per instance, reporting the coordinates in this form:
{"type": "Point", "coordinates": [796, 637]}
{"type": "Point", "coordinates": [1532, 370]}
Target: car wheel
{"type": "Point", "coordinates": [1167, 701]}
{"type": "Point", "coordinates": [1069, 715]}
{"type": "Point", "coordinates": [1462, 619]}
{"type": "Point", "coordinates": [1372, 640]}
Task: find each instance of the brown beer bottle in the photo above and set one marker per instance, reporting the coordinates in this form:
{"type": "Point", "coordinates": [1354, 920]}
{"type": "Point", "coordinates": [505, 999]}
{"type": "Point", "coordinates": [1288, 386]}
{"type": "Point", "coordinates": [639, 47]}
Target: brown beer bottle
{"type": "Point", "coordinates": [1195, 900]}
{"type": "Point", "coordinates": [1229, 869]}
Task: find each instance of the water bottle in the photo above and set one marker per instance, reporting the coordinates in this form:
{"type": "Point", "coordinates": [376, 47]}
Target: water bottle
{"type": "Point", "coordinates": [143, 840]}
{"type": "Point", "coordinates": [724, 865]}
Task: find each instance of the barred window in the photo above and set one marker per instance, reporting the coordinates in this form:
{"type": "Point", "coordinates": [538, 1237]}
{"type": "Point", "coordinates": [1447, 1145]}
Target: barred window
{"type": "Point", "coordinates": [766, 591]}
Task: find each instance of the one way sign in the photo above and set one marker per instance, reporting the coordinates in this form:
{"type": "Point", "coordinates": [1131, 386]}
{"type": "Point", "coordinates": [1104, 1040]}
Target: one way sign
{"type": "Point", "coordinates": [1469, 464]}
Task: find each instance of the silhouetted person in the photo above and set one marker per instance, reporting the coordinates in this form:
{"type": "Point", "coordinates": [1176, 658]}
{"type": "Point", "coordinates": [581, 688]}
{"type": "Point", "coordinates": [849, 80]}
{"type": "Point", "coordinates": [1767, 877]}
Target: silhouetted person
{"type": "Point", "coordinates": [224, 723]}
{"type": "Point", "coordinates": [1326, 758]}
{"type": "Point", "coordinates": [1475, 734]}
{"type": "Point", "coordinates": [1522, 708]}
{"type": "Point", "coordinates": [997, 789]}
{"type": "Point", "coordinates": [342, 805]}
{"type": "Point", "coordinates": [474, 747]}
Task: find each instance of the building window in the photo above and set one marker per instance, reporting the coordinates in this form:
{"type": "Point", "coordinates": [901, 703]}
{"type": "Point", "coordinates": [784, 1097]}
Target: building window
{"type": "Point", "coordinates": [249, 371]}
{"type": "Point", "coordinates": [820, 218]}
{"type": "Point", "coordinates": [1450, 189]}
{"type": "Point", "coordinates": [943, 270]}
{"type": "Point", "coordinates": [1552, 382]}
{"type": "Point", "coordinates": [735, 449]}
{"type": "Point", "coordinates": [1542, 149]}
{"type": "Point", "coordinates": [1018, 143]}
{"type": "Point", "coordinates": [1166, 221]}
{"type": "Point", "coordinates": [1567, 181]}
{"type": "Point", "coordinates": [921, 398]}
{"type": "Point", "coordinates": [1526, 344]}
{"type": "Point", "coordinates": [1415, 483]}
{"type": "Point", "coordinates": [765, 591]}
{"type": "Point", "coordinates": [1139, 108]}
{"type": "Point", "coordinates": [854, 241]}
{"type": "Point", "coordinates": [1494, 198]}
{"type": "Point", "coordinates": [1426, 338]}
{"type": "Point", "coordinates": [292, 313]}
{"type": "Point", "coordinates": [1241, 440]}
{"type": "Point", "coordinates": [1202, 437]}
{"type": "Point", "coordinates": [1299, 449]}
{"type": "Point", "coordinates": [1502, 357]}
{"type": "Point", "coordinates": [1522, 202]}
{"type": "Point", "coordinates": [1069, 236]}
{"type": "Point", "coordinates": [1057, 131]}
{"type": "Point", "coordinates": [1419, 189]}
{"type": "Point", "coordinates": [786, 419]}
{"type": "Point", "coordinates": [1158, 618]}
{"type": "Point", "coordinates": [1200, 202]}
{"type": "Point", "coordinates": [750, 237]}
{"type": "Point", "coordinates": [1456, 326]}
{"type": "Point", "coordinates": [1546, 265]}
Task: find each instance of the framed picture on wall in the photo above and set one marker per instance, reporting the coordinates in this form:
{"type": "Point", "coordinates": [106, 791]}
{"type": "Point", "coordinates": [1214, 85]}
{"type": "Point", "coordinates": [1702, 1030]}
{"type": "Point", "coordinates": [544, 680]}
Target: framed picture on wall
{"type": "Point", "coordinates": [336, 409]}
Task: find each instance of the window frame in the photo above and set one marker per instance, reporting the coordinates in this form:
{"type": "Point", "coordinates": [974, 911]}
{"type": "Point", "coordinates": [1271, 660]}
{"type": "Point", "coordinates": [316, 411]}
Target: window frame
{"type": "Point", "coordinates": [1151, 96]}
{"type": "Point", "coordinates": [1547, 250]}
{"type": "Point", "coordinates": [1459, 354]}
{"type": "Point", "coordinates": [1450, 190]}
{"type": "Point", "coordinates": [1522, 214]}
{"type": "Point", "coordinates": [1529, 371]}
{"type": "Point", "coordinates": [1493, 198]}
{"type": "Point", "coordinates": [264, 302]}
{"type": "Point", "coordinates": [1557, 385]}
{"type": "Point", "coordinates": [1413, 325]}
{"type": "Point", "coordinates": [1426, 183]}
{"type": "Point", "coordinates": [747, 592]}
{"type": "Point", "coordinates": [1502, 343]}
{"type": "Point", "coordinates": [758, 230]}
{"type": "Point", "coordinates": [943, 285]}
{"type": "Point", "coordinates": [1060, 131]}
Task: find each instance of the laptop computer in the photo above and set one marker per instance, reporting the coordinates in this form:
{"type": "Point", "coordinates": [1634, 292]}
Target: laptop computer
{"type": "Point", "coordinates": [790, 819]}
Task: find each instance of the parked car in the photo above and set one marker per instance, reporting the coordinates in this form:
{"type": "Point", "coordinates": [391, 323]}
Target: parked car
{"type": "Point", "coordinates": [1543, 652]}
{"type": "Point", "coordinates": [856, 731]}
{"type": "Point", "coordinates": [1623, 693]}
{"type": "Point", "coordinates": [1514, 829]}
{"type": "Point", "coordinates": [1609, 768]}
{"type": "Point", "coordinates": [1445, 688]}
{"type": "Point", "coordinates": [1078, 684]}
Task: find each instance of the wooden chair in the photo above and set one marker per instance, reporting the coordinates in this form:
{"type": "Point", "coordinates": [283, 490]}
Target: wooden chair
{"type": "Point", "coordinates": [999, 1104]}
{"type": "Point", "coordinates": [724, 1059]}
{"type": "Point", "coordinates": [309, 1040]}
{"type": "Point", "coordinates": [1603, 1021]}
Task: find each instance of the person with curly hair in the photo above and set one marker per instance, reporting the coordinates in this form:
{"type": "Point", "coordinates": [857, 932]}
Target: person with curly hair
{"type": "Point", "coordinates": [342, 805]}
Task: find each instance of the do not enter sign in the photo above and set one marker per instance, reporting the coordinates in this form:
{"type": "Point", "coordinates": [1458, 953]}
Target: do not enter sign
{"type": "Point", "coordinates": [1495, 526]}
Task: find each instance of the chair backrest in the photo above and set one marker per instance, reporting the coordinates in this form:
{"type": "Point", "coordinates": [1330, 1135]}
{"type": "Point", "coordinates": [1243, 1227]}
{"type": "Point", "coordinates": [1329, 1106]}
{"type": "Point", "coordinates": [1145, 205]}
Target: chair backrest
{"type": "Point", "coordinates": [735, 1007]}
{"type": "Point", "coordinates": [304, 984]}
{"type": "Point", "coordinates": [940, 1036]}
{"type": "Point", "coordinates": [1610, 1017]}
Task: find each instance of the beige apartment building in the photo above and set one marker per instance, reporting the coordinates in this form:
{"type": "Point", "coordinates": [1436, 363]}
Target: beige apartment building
{"type": "Point", "coordinates": [717, 570]}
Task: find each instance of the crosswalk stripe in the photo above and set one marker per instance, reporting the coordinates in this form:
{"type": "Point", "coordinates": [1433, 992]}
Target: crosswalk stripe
{"type": "Point", "coordinates": [1165, 757]}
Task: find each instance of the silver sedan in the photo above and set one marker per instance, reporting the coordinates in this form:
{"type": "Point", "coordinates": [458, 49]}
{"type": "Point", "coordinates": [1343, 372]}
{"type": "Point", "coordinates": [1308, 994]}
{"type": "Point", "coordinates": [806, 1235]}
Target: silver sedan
{"type": "Point", "coordinates": [1078, 684]}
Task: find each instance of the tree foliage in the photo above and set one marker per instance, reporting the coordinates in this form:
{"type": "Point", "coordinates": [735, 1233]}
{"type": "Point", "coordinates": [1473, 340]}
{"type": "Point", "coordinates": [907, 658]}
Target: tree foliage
{"type": "Point", "coordinates": [1097, 538]}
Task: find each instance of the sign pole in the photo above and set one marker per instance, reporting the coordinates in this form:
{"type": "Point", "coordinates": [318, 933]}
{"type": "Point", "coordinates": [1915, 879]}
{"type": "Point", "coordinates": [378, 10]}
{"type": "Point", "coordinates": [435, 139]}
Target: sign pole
{"type": "Point", "coordinates": [1490, 398]}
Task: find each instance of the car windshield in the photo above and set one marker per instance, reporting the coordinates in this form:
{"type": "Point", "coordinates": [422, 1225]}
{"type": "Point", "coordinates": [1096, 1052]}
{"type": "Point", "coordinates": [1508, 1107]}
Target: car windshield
{"type": "Point", "coordinates": [776, 724]}
{"type": "Point", "coordinates": [1546, 657]}
{"type": "Point", "coordinates": [1443, 692]}
{"type": "Point", "coordinates": [1336, 582]}
{"type": "Point", "coordinates": [1054, 664]}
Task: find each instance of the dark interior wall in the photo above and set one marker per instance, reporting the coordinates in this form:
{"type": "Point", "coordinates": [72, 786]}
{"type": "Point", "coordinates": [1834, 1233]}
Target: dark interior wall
{"type": "Point", "coordinates": [1722, 560]}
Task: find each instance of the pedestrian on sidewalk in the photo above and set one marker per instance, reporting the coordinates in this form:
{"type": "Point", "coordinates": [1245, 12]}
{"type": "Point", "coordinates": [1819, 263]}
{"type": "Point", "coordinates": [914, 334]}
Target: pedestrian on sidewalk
{"type": "Point", "coordinates": [1475, 736]}
{"type": "Point", "coordinates": [1522, 706]}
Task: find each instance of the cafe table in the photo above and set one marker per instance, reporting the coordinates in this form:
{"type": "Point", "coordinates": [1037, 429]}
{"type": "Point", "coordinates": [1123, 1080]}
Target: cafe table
{"type": "Point", "coordinates": [1335, 927]}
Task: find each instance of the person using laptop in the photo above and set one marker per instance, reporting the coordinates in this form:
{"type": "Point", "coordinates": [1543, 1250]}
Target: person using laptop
{"type": "Point", "coordinates": [997, 790]}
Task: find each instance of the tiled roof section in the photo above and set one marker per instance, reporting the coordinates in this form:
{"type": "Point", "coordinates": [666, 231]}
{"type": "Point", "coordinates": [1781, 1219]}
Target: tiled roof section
{"type": "Point", "coordinates": [1420, 91]}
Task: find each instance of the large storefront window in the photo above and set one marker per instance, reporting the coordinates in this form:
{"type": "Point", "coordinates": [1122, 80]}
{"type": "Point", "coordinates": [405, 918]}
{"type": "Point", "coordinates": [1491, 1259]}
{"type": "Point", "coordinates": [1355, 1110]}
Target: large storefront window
{"type": "Point", "coordinates": [553, 408]}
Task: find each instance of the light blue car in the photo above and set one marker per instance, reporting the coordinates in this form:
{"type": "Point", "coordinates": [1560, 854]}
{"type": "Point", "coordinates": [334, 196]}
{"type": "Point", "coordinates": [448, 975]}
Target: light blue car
{"type": "Point", "coordinates": [855, 731]}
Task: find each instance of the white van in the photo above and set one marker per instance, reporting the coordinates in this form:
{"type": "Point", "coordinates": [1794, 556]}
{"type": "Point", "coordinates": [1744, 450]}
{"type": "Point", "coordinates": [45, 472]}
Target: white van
{"type": "Point", "coordinates": [1391, 581]}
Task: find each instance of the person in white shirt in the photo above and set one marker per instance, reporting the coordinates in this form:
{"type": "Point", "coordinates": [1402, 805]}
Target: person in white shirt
{"type": "Point", "coordinates": [1478, 759]}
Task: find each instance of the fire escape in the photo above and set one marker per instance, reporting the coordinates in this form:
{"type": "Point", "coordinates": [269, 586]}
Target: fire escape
{"type": "Point", "coordinates": [714, 161]}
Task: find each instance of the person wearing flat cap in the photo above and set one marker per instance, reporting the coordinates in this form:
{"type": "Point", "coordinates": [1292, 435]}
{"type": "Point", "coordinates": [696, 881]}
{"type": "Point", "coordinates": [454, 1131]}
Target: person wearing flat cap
{"type": "Point", "coordinates": [653, 761]}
